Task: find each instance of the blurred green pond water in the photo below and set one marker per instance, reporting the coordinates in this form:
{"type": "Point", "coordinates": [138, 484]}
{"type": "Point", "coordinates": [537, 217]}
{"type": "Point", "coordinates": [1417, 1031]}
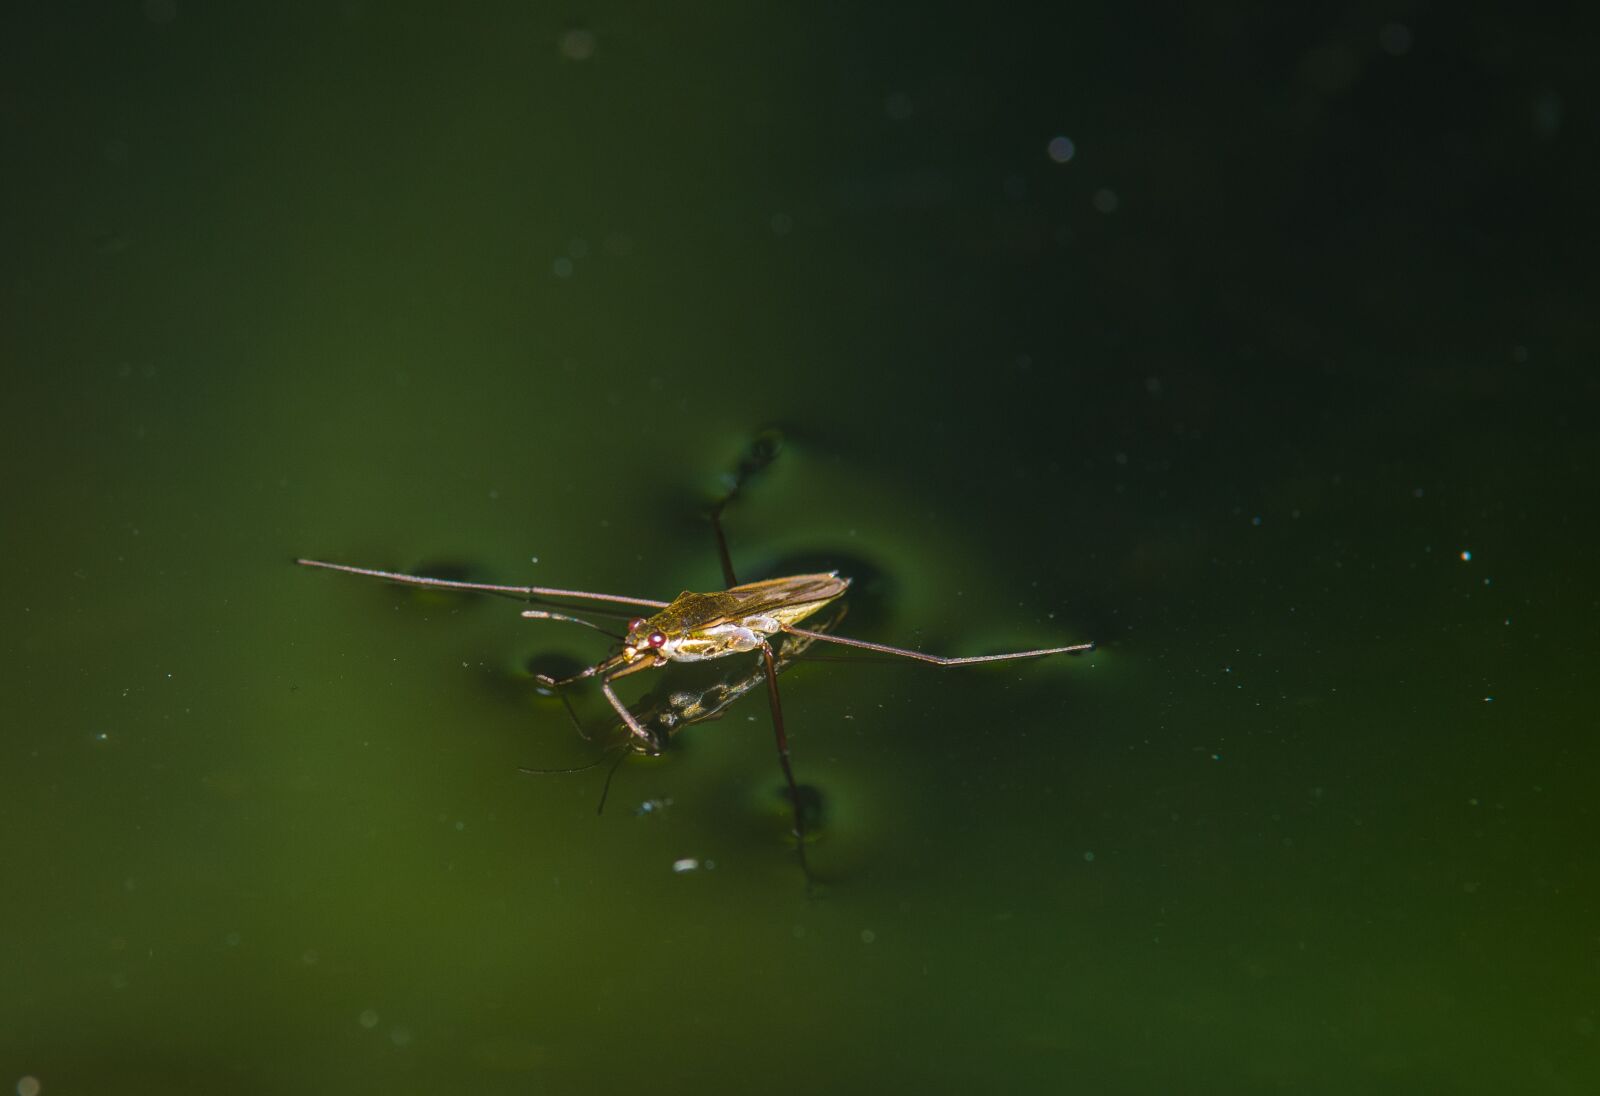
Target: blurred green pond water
{"type": "Point", "coordinates": [512, 294]}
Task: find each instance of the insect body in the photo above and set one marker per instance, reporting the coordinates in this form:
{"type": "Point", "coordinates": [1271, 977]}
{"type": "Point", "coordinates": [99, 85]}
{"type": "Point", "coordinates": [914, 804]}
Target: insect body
{"type": "Point", "coordinates": [700, 626]}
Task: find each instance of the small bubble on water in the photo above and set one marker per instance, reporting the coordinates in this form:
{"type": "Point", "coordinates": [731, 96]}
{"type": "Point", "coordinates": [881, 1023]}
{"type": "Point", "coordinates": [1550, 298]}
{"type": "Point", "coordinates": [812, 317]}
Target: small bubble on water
{"type": "Point", "coordinates": [368, 1019]}
{"type": "Point", "coordinates": [578, 44]}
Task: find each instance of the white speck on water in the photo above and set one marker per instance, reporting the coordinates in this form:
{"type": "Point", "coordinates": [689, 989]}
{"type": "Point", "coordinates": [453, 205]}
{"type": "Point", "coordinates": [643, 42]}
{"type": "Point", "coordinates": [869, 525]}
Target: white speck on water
{"type": "Point", "coordinates": [368, 1018]}
{"type": "Point", "coordinates": [1466, 555]}
{"type": "Point", "coordinates": [868, 936]}
{"type": "Point", "coordinates": [1061, 149]}
{"type": "Point", "coordinates": [28, 1085]}
{"type": "Point", "coordinates": [688, 863]}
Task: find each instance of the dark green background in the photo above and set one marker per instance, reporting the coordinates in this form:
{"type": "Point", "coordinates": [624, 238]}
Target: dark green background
{"type": "Point", "coordinates": [411, 286]}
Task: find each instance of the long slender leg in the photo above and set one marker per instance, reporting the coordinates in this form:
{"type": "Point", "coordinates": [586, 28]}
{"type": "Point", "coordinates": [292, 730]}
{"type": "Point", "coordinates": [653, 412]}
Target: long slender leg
{"type": "Point", "coordinates": [779, 734]}
{"type": "Point", "coordinates": [728, 575]}
{"type": "Point", "coordinates": [605, 789]}
{"type": "Point", "coordinates": [764, 449]}
{"type": "Point", "coordinates": [451, 584]}
{"type": "Point", "coordinates": [783, 759]}
{"type": "Point", "coordinates": [937, 660]}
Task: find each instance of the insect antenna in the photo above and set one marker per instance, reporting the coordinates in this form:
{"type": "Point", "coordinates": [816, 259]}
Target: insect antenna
{"type": "Point", "coordinates": [545, 614]}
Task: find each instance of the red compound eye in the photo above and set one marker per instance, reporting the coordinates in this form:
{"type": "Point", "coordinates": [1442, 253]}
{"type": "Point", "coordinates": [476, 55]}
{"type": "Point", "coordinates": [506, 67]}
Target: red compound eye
{"type": "Point", "coordinates": [655, 639]}
{"type": "Point", "coordinates": [635, 624]}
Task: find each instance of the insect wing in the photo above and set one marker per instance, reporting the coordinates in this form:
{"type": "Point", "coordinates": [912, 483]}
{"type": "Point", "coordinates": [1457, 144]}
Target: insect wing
{"type": "Point", "coordinates": [789, 599]}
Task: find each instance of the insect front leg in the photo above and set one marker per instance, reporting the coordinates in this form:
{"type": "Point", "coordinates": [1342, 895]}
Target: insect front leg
{"type": "Point", "coordinates": [650, 744]}
{"type": "Point", "coordinates": [634, 726]}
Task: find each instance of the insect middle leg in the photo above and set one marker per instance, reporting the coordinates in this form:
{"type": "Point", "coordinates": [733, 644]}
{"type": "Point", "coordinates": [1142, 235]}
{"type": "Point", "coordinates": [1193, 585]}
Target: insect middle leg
{"type": "Point", "coordinates": [769, 664]}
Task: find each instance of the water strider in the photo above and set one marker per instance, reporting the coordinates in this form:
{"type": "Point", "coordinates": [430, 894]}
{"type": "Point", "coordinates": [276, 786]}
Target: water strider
{"type": "Point", "coordinates": [744, 618]}
{"type": "Point", "coordinates": [694, 627]}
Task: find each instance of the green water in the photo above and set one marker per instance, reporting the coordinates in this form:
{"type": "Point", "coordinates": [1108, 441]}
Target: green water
{"type": "Point", "coordinates": [1277, 390]}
